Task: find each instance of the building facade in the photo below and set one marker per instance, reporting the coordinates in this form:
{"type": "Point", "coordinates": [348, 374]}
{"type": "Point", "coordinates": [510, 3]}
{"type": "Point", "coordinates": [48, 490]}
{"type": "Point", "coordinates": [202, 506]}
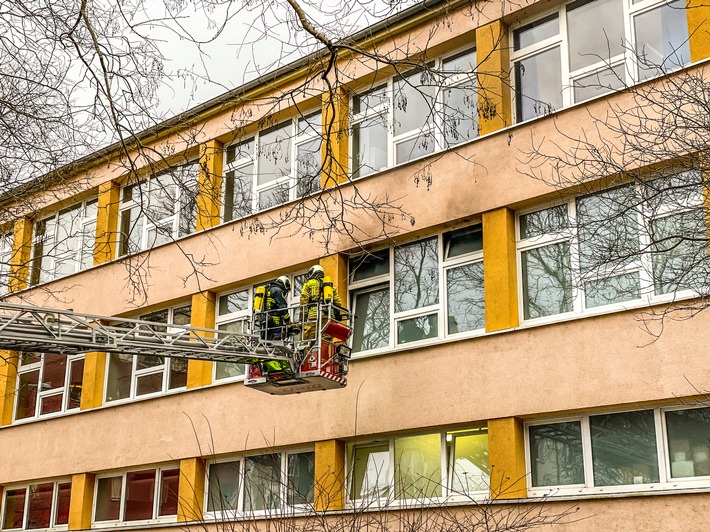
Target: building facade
{"type": "Point", "coordinates": [498, 363]}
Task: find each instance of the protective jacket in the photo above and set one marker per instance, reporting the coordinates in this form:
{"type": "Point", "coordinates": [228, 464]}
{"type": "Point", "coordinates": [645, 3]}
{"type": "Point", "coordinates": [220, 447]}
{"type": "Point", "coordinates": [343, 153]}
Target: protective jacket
{"type": "Point", "coordinates": [311, 294]}
{"type": "Point", "coordinates": [276, 306]}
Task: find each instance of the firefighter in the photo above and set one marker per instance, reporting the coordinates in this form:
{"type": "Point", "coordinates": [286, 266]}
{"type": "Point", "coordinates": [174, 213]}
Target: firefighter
{"type": "Point", "coordinates": [316, 289]}
{"type": "Point", "coordinates": [278, 319]}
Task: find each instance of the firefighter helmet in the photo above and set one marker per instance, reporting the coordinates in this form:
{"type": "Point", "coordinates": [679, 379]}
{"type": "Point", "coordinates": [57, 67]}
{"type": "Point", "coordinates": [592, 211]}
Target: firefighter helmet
{"type": "Point", "coordinates": [316, 272]}
{"type": "Point", "coordinates": [284, 282]}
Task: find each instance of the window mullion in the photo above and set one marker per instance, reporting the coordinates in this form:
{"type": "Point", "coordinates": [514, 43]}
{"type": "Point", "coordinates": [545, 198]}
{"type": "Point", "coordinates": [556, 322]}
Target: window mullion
{"type": "Point", "coordinates": [390, 123]}
{"type": "Point", "coordinates": [662, 451]}
{"type": "Point", "coordinates": [587, 455]}
{"type": "Point", "coordinates": [567, 92]}
{"type": "Point", "coordinates": [124, 490]}
{"type": "Point", "coordinates": [576, 273]}
{"type": "Point", "coordinates": [445, 484]}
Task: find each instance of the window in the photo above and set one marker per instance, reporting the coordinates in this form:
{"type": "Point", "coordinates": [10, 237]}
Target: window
{"type": "Point", "coordinates": [415, 114]}
{"type": "Point", "coordinates": [48, 384]}
{"type": "Point", "coordinates": [5, 256]}
{"type": "Point", "coordinates": [137, 495]}
{"type": "Point", "coordinates": [234, 313]}
{"type": "Point", "coordinates": [37, 506]}
{"type": "Point", "coordinates": [396, 294]}
{"type": "Point", "coordinates": [620, 451]}
{"type": "Point", "coordinates": [277, 165]}
{"type": "Point", "coordinates": [262, 483]}
{"type": "Point", "coordinates": [589, 48]}
{"type": "Point", "coordinates": [64, 243]}
{"type": "Point", "coordinates": [159, 209]}
{"type": "Point", "coordinates": [135, 376]}
{"type": "Point", "coordinates": [615, 246]}
{"type": "Point", "coordinates": [421, 467]}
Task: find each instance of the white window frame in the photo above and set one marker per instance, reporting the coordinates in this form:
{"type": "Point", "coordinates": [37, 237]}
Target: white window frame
{"type": "Point", "coordinates": [285, 508]}
{"type": "Point", "coordinates": [289, 180]}
{"type": "Point", "coordinates": [245, 315]}
{"type": "Point", "coordinates": [87, 232]}
{"type": "Point", "coordinates": [435, 125]}
{"type": "Point", "coordinates": [447, 494]}
{"type": "Point", "coordinates": [121, 522]}
{"type": "Point", "coordinates": [440, 309]}
{"type": "Point", "coordinates": [147, 222]}
{"type": "Point", "coordinates": [64, 391]}
{"type": "Point", "coordinates": [137, 373]}
{"type": "Point", "coordinates": [627, 58]}
{"type": "Point", "coordinates": [666, 482]}
{"type": "Point", "coordinates": [26, 487]}
{"type": "Point", "coordinates": [6, 241]}
{"type": "Point", "coordinates": [643, 265]}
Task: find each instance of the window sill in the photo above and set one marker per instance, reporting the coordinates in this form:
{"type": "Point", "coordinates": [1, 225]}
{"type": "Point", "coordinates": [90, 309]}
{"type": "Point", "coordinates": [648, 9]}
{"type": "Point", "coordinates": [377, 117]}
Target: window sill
{"type": "Point", "coordinates": [167, 520]}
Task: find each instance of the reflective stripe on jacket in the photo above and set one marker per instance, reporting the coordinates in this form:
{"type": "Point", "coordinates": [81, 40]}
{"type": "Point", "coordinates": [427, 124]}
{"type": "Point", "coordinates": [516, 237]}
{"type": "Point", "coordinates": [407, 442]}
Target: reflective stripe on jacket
{"type": "Point", "coordinates": [311, 295]}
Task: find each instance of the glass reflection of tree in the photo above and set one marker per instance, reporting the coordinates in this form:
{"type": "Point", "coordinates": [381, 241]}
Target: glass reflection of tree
{"type": "Point", "coordinates": [372, 326]}
{"type": "Point", "coordinates": [464, 288]}
{"type": "Point", "coordinates": [416, 275]}
{"type": "Point", "coordinates": [556, 454]}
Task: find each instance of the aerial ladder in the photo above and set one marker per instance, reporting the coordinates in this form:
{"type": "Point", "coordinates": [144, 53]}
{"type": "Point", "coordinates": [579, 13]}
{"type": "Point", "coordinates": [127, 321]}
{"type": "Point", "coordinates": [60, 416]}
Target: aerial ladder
{"type": "Point", "coordinates": [309, 364]}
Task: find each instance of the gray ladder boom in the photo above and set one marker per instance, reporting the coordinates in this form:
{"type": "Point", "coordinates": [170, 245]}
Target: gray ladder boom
{"type": "Point", "coordinates": [49, 330]}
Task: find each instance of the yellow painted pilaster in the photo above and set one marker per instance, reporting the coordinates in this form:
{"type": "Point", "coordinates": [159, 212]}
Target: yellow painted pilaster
{"type": "Point", "coordinates": [336, 266]}
{"type": "Point", "coordinates": [21, 253]}
{"type": "Point", "coordinates": [209, 186]}
{"type": "Point", "coordinates": [191, 489]}
{"type": "Point", "coordinates": [335, 137]}
{"type": "Point", "coordinates": [106, 244]}
{"type": "Point", "coordinates": [199, 372]}
{"type": "Point", "coordinates": [698, 13]}
{"type": "Point", "coordinates": [8, 381]}
{"type": "Point", "coordinates": [92, 392]}
{"type": "Point", "coordinates": [494, 97]}
{"type": "Point", "coordinates": [82, 498]}
{"type": "Point", "coordinates": [499, 270]}
{"type": "Point", "coordinates": [506, 458]}
{"type": "Point", "coordinates": [329, 489]}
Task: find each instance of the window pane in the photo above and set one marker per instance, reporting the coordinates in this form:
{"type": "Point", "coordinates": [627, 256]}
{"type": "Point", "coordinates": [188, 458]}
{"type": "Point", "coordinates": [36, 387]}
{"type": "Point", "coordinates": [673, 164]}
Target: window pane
{"type": "Point", "coordinates": [538, 84]}
{"type": "Point", "coordinates": [238, 193]}
{"type": "Point", "coordinates": [76, 376]}
{"type": "Point", "coordinates": [673, 192]}
{"type": "Point", "coordinates": [469, 461]}
{"type": "Point", "coordinates": [262, 482]}
{"type": "Point", "coordinates": [14, 508]}
{"type": "Point", "coordinates": [301, 478]}
{"type": "Point", "coordinates": [51, 404]}
{"type": "Point", "coordinates": [556, 454]}
{"type": "Point", "coordinates": [370, 265]}
{"type": "Point", "coordinates": [688, 443]}
{"type": "Point", "coordinates": [371, 473]}
{"type": "Point", "coordinates": [140, 487]}
{"type": "Point", "coordinates": [419, 328]}
{"type": "Point", "coordinates": [55, 370]}
{"type": "Point", "coordinates": [274, 153]}
{"type": "Point", "coordinates": [546, 221]}
{"type": "Point", "coordinates": [608, 229]}
{"type": "Point", "coordinates": [369, 147]}
{"type": "Point", "coordinates": [596, 31]}
{"type": "Point", "coordinates": [417, 467]}
{"type": "Point", "coordinates": [182, 315]}
{"type": "Point", "coordinates": [243, 150]}
{"type": "Point", "coordinates": [372, 320]}
{"type": "Point", "coordinates": [599, 83]}
{"type": "Point", "coordinates": [40, 507]}
{"type": "Point", "coordinates": [151, 383]}
{"type": "Point", "coordinates": [63, 502]}
{"type": "Point", "coordinates": [465, 303]}
{"type": "Point", "coordinates": [169, 483]}
{"type": "Point", "coordinates": [460, 114]}
{"type": "Point", "coordinates": [108, 498]}
{"type": "Point", "coordinates": [536, 32]}
{"type": "Point", "coordinates": [461, 62]}
{"type": "Point", "coordinates": [616, 289]}
{"type": "Point", "coordinates": [186, 178]}
{"type": "Point", "coordinates": [234, 302]}
{"type": "Point", "coordinates": [308, 167]}
{"type": "Point", "coordinates": [547, 281]}
{"type": "Point", "coordinates": [273, 197]}
{"type": "Point", "coordinates": [416, 275]}
{"type": "Point", "coordinates": [223, 489]}
{"type": "Point", "coordinates": [226, 370]}
{"type": "Point", "coordinates": [311, 124]}
{"type": "Point", "coordinates": [624, 448]}
{"type": "Point", "coordinates": [178, 373]}
{"type": "Point", "coordinates": [413, 148]}
{"type": "Point", "coordinates": [680, 252]}
{"type": "Point", "coordinates": [662, 39]}
{"type": "Point", "coordinates": [118, 383]}
{"type": "Point", "coordinates": [149, 361]}
{"type": "Point", "coordinates": [369, 100]}
{"type": "Point", "coordinates": [27, 394]}
{"type": "Point", "coordinates": [463, 241]}
{"type": "Point", "coordinates": [131, 230]}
